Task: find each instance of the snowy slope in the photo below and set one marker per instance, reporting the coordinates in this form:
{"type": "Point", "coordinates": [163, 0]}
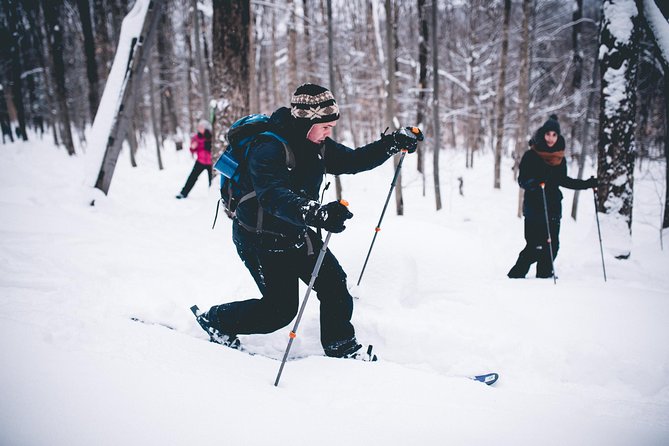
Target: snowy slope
{"type": "Point", "coordinates": [582, 362]}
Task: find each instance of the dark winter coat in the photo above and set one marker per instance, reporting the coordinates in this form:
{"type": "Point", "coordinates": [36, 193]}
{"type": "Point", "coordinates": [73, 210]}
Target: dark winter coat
{"type": "Point", "coordinates": [534, 170]}
{"type": "Point", "coordinates": [283, 193]}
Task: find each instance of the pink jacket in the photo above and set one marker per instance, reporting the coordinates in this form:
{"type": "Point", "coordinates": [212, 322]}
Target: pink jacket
{"type": "Point", "coordinates": [199, 144]}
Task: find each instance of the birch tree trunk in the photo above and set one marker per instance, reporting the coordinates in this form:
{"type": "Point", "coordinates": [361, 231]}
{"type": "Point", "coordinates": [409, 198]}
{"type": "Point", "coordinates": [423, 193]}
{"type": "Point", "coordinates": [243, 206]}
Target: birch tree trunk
{"type": "Point", "coordinates": [618, 39]}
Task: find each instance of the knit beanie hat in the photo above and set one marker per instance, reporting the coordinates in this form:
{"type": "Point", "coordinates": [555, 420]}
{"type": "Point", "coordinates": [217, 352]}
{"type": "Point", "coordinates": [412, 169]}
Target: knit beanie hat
{"type": "Point", "coordinates": [551, 125]}
{"type": "Point", "coordinates": [312, 104]}
{"type": "Point", "coordinates": [204, 124]}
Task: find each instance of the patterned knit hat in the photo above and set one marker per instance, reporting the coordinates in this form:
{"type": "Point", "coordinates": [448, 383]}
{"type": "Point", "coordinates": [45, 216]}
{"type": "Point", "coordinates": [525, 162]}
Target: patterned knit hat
{"type": "Point", "coordinates": [313, 104]}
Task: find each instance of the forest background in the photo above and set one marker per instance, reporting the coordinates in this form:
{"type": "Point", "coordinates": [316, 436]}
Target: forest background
{"type": "Point", "coordinates": [477, 76]}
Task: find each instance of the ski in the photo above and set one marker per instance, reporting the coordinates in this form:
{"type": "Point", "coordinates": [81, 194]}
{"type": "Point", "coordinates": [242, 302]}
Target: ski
{"type": "Point", "coordinates": [143, 321]}
{"type": "Point", "coordinates": [488, 378]}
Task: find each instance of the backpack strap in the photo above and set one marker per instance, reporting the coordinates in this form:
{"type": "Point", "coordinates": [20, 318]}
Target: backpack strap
{"type": "Point", "coordinates": [290, 163]}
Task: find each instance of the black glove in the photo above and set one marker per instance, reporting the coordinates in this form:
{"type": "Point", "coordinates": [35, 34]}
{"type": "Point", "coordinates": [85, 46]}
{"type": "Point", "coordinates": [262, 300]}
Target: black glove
{"type": "Point", "coordinates": [330, 217]}
{"type": "Point", "coordinates": [404, 139]}
{"type": "Point", "coordinates": [591, 183]}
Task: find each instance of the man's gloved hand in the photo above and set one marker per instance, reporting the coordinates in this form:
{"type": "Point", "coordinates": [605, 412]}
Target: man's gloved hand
{"type": "Point", "coordinates": [591, 183]}
{"type": "Point", "coordinates": [330, 217]}
{"type": "Point", "coordinates": [404, 139]}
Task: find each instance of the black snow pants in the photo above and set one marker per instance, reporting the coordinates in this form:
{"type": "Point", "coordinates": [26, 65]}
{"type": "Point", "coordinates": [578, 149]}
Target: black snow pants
{"type": "Point", "coordinates": [277, 272]}
{"type": "Point", "coordinates": [198, 168]}
{"type": "Point", "coordinates": [537, 249]}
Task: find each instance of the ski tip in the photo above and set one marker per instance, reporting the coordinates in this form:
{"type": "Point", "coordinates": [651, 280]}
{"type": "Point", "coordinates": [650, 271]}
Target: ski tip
{"type": "Point", "coordinates": [195, 310]}
{"type": "Point", "coordinates": [488, 378]}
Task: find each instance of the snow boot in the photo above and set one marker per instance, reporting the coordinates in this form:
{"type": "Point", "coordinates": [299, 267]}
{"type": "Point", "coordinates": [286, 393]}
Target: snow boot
{"type": "Point", "coordinates": [360, 354]}
{"type": "Point", "coordinates": [517, 272]}
{"type": "Point", "coordinates": [215, 335]}
{"type": "Point", "coordinates": [544, 269]}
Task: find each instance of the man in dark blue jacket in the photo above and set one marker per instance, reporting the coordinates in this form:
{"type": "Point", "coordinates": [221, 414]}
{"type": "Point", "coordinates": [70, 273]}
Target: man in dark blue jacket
{"type": "Point", "coordinates": [273, 231]}
{"type": "Point", "coordinates": [543, 163]}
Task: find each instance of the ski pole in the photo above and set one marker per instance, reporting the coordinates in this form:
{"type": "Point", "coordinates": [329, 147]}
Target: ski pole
{"type": "Point", "coordinates": [419, 136]}
{"type": "Point", "coordinates": [377, 229]}
{"type": "Point", "coordinates": [293, 333]}
{"type": "Point", "coordinates": [548, 229]}
{"type": "Point", "coordinates": [599, 233]}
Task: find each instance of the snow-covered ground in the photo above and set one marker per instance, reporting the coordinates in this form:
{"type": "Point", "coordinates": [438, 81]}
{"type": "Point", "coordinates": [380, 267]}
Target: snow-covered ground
{"type": "Point", "coordinates": [582, 362]}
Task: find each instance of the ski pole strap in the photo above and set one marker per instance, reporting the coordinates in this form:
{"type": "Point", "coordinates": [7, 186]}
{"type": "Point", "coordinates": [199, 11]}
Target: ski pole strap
{"type": "Point", "coordinates": [218, 203]}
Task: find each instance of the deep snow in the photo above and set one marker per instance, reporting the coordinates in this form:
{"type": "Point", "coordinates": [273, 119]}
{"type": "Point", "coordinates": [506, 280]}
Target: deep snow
{"type": "Point", "coordinates": [582, 362]}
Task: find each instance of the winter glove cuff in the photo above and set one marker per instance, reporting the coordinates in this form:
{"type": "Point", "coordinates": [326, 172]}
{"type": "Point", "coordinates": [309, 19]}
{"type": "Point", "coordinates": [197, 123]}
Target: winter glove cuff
{"type": "Point", "coordinates": [403, 139]}
{"type": "Point", "coordinates": [330, 217]}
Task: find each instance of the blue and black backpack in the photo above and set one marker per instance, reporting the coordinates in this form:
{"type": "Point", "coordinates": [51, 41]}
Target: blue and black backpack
{"type": "Point", "coordinates": [232, 165]}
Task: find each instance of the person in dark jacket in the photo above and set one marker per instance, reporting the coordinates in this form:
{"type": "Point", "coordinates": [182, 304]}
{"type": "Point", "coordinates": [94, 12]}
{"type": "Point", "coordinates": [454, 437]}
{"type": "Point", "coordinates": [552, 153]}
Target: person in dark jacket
{"type": "Point", "coordinates": [200, 148]}
{"type": "Point", "coordinates": [284, 251]}
{"type": "Point", "coordinates": [544, 164]}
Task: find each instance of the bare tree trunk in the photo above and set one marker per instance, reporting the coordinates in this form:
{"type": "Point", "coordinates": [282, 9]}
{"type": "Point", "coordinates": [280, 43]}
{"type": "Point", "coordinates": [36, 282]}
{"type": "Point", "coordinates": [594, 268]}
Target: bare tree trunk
{"type": "Point", "coordinates": [201, 62]}
{"type": "Point", "coordinates": [331, 71]}
{"type": "Point", "coordinates": [500, 94]}
{"type": "Point", "coordinates": [585, 135]}
{"type": "Point", "coordinates": [665, 221]}
{"type": "Point", "coordinates": [192, 91]}
{"type": "Point", "coordinates": [376, 53]}
{"type": "Point", "coordinates": [52, 15]}
{"type": "Point", "coordinates": [168, 111]}
{"type": "Point", "coordinates": [306, 11]}
{"type": "Point", "coordinates": [292, 48]}
{"type": "Point", "coordinates": [91, 62]}
{"type": "Point", "coordinates": [16, 68]}
{"type": "Point", "coordinates": [435, 105]}
{"type": "Point", "coordinates": [275, 79]}
{"type": "Point", "coordinates": [390, 95]}
{"type": "Point", "coordinates": [618, 66]}
{"type": "Point", "coordinates": [422, 81]}
{"type": "Point", "coordinates": [232, 71]}
{"type": "Point", "coordinates": [523, 97]}
{"type": "Point", "coordinates": [577, 62]}
{"type": "Point", "coordinates": [103, 45]}
{"type": "Point", "coordinates": [132, 142]}
{"type": "Point", "coordinates": [154, 117]}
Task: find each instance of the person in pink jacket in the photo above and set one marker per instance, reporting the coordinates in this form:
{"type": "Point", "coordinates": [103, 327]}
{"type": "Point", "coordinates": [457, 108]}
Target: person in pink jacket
{"type": "Point", "coordinates": [200, 147]}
